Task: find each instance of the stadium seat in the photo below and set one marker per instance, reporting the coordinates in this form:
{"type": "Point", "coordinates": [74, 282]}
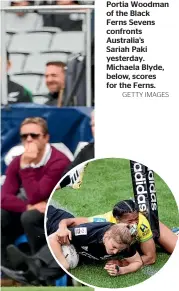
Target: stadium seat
{"type": "Point", "coordinates": [30, 42]}
{"type": "Point", "coordinates": [17, 63]}
{"type": "Point", "coordinates": [35, 63]}
{"type": "Point", "coordinates": [8, 40]}
{"type": "Point", "coordinates": [8, 36]}
{"type": "Point", "coordinates": [64, 149]}
{"type": "Point", "coordinates": [39, 99]}
{"type": "Point", "coordinates": [43, 90]}
{"type": "Point", "coordinates": [30, 81]}
{"type": "Point", "coordinates": [37, 2]}
{"type": "Point", "coordinates": [79, 147]}
{"type": "Point", "coordinates": [2, 179]}
{"type": "Point", "coordinates": [20, 240]}
{"type": "Point", "coordinates": [50, 29]}
{"type": "Point", "coordinates": [12, 153]}
{"type": "Point", "coordinates": [68, 42]}
{"type": "Point", "coordinates": [22, 243]}
{"type": "Point", "coordinates": [15, 23]}
{"type": "Point", "coordinates": [86, 2]}
{"type": "Point", "coordinates": [6, 4]}
{"type": "Point", "coordinates": [61, 281]}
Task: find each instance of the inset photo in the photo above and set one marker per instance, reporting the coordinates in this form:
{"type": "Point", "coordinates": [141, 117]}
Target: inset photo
{"type": "Point", "coordinates": [108, 227]}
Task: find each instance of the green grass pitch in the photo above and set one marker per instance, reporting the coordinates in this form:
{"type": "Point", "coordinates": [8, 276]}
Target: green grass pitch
{"type": "Point", "coordinates": [105, 182]}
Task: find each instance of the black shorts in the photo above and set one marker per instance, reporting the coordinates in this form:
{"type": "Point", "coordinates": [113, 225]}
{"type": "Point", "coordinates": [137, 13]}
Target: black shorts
{"type": "Point", "coordinates": [54, 216]}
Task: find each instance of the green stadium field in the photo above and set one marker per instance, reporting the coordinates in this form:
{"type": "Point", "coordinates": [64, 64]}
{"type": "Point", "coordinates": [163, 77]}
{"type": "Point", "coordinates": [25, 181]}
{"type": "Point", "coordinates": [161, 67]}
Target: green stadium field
{"type": "Point", "coordinates": [105, 182]}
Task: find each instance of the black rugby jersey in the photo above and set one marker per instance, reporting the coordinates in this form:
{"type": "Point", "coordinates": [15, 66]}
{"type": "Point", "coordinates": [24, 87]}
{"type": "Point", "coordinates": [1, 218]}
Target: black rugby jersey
{"type": "Point", "coordinates": [88, 241]}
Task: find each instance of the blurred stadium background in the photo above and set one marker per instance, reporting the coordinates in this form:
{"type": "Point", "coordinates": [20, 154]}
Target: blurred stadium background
{"type": "Point", "coordinates": [31, 44]}
{"type": "Point", "coordinates": [32, 41]}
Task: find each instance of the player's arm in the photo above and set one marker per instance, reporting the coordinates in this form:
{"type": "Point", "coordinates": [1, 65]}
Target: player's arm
{"type": "Point", "coordinates": [63, 233]}
{"type": "Point", "coordinates": [70, 222]}
{"type": "Point", "coordinates": [149, 252]}
{"type": "Point", "coordinates": [129, 265]}
{"type": "Point", "coordinates": [134, 264]}
{"type": "Point", "coordinates": [57, 250]}
{"type": "Point", "coordinates": [147, 244]}
{"type": "Point", "coordinates": [167, 238]}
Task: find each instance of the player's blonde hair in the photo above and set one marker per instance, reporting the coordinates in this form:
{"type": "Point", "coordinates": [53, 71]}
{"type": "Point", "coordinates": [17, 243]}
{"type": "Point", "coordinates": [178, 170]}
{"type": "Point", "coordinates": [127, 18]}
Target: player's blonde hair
{"type": "Point", "coordinates": [121, 233]}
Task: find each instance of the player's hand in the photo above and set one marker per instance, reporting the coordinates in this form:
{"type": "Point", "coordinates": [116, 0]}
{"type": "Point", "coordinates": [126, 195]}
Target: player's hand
{"type": "Point", "coordinates": [112, 269]}
{"type": "Point", "coordinates": [64, 236]}
{"type": "Point", "coordinates": [120, 263]}
{"type": "Point", "coordinates": [30, 154]}
{"type": "Point", "coordinates": [113, 262]}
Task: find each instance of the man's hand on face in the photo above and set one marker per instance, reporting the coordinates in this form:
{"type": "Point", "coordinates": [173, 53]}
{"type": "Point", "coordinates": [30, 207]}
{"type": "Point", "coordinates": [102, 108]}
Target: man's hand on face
{"type": "Point", "coordinates": [30, 154]}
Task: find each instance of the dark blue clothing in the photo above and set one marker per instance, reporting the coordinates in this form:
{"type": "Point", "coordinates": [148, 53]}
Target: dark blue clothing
{"type": "Point", "coordinates": [87, 238]}
{"type": "Point", "coordinates": [54, 216]}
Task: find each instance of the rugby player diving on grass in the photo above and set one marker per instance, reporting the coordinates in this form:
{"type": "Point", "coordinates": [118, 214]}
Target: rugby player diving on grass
{"type": "Point", "coordinates": [97, 242]}
{"type": "Point", "coordinates": [127, 211]}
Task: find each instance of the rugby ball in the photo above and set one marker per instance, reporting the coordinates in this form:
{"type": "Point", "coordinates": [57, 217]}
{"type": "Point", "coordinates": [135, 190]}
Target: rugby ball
{"type": "Point", "coordinates": [70, 255]}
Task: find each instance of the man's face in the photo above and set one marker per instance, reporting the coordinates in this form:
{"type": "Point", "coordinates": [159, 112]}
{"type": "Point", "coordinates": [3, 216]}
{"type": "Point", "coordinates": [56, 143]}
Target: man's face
{"type": "Point", "coordinates": [54, 78]}
{"type": "Point", "coordinates": [112, 247]}
{"type": "Point", "coordinates": [33, 133]}
{"type": "Point", "coordinates": [64, 2]}
{"type": "Point", "coordinates": [21, 3]}
{"type": "Point", "coordinates": [129, 218]}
